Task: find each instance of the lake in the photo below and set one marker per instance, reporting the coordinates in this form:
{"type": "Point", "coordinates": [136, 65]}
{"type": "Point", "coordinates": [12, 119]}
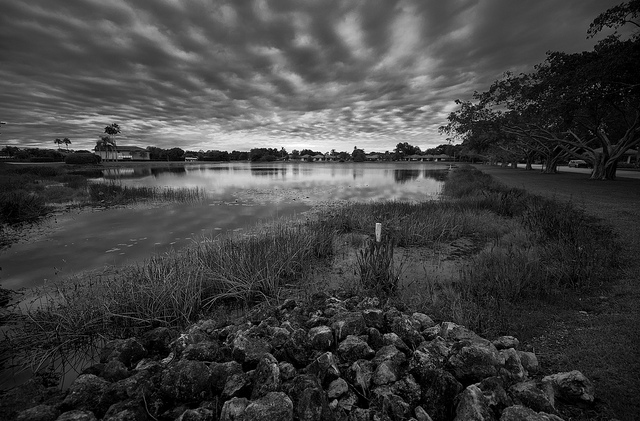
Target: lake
{"type": "Point", "coordinates": [239, 195]}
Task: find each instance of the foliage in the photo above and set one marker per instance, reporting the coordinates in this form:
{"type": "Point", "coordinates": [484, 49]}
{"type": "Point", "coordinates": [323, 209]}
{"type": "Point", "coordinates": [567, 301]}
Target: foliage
{"type": "Point", "coordinates": [376, 267]}
{"type": "Point", "coordinates": [583, 105]}
{"type": "Point", "coordinates": [82, 158]}
{"type": "Point", "coordinates": [20, 206]}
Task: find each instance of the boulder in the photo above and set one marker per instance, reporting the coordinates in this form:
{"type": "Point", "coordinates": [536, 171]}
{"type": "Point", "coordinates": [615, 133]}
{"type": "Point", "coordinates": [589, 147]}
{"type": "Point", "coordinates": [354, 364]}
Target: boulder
{"type": "Point", "coordinates": [506, 342]}
{"type": "Point", "coordinates": [373, 317]}
{"type": "Point", "coordinates": [470, 362]}
{"type": "Point", "coordinates": [348, 324]}
{"type": "Point", "coordinates": [186, 381]}
{"type": "Point", "coordinates": [86, 393]}
{"type": "Point", "coordinates": [275, 406]}
{"type": "Point", "coordinates": [77, 415]}
{"type": "Point", "coordinates": [572, 387]}
{"type": "Point", "coordinates": [513, 369]}
{"type": "Point", "coordinates": [325, 368]}
{"type": "Point", "coordinates": [248, 349]}
{"type": "Point", "coordinates": [395, 407]}
{"type": "Point", "coordinates": [522, 413]}
{"type": "Point", "coordinates": [308, 397]}
{"type": "Point", "coordinates": [535, 395]}
{"type": "Point", "coordinates": [202, 351]}
{"type": "Point", "coordinates": [529, 361]}
{"type": "Point", "coordinates": [321, 337]}
{"type": "Point", "coordinates": [473, 406]}
{"type": "Point", "coordinates": [128, 351]}
{"type": "Point", "coordinates": [39, 413]}
{"type": "Point", "coordinates": [233, 409]}
{"type": "Point", "coordinates": [266, 377]}
{"type": "Point", "coordinates": [354, 348]}
{"type": "Point", "coordinates": [337, 388]}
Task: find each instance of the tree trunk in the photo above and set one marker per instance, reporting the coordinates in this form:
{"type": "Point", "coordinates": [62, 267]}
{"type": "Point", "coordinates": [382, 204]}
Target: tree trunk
{"type": "Point", "coordinates": [604, 168]}
{"type": "Point", "coordinates": [550, 165]}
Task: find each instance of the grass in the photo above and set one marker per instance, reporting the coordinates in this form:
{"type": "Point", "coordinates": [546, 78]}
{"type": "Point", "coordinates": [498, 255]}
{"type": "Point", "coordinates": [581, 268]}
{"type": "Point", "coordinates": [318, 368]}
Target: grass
{"type": "Point", "coordinates": [29, 193]}
{"type": "Point", "coordinates": [527, 251]}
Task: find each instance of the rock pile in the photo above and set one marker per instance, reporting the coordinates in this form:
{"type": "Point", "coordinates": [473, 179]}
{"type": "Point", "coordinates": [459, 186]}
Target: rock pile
{"type": "Point", "coordinates": [329, 359]}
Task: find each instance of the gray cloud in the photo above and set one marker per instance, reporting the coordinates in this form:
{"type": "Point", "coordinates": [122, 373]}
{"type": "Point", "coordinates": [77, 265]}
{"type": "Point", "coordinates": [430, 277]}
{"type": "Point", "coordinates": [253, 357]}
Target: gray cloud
{"type": "Point", "coordinates": [237, 74]}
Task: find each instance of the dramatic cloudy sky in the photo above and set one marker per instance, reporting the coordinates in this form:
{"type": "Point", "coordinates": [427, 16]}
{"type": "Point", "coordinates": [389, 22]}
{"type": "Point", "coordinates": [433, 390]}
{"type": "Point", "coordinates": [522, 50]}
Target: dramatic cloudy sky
{"type": "Point", "coordinates": [237, 74]}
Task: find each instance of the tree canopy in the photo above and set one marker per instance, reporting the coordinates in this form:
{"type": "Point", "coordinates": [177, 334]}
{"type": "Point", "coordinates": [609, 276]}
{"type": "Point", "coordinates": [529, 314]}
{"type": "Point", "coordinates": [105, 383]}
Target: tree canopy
{"type": "Point", "coordinates": [584, 105]}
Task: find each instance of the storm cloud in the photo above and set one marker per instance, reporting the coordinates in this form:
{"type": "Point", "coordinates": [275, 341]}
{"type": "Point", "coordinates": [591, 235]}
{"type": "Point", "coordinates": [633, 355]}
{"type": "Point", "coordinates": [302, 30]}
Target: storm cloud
{"type": "Point", "coordinates": [237, 74]}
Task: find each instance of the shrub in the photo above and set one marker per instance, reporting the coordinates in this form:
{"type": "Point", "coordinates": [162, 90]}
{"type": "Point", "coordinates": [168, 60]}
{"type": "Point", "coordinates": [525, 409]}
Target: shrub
{"type": "Point", "coordinates": [20, 206]}
{"type": "Point", "coordinates": [82, 158]}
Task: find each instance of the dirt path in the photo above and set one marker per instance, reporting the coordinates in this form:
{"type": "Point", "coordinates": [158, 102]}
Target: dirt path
{"type": "Point", "coordinates": [598, 333]}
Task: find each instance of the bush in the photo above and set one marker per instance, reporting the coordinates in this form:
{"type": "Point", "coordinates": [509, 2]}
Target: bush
{"type": "Point", "coordinates": [20, 206]}
{"type": "Point", "coordinates": [82, 158]}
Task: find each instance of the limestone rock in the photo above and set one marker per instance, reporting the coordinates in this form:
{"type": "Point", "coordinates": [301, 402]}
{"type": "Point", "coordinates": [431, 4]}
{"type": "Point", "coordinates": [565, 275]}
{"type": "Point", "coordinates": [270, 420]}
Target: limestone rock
{"type": "Point", "coordinates": [535, 395]}
{"type": "Point", "coordinates": [424, 320]}
{"type": "Point", "coordinates": [39, 413]}
{"type": "Point", "coordinates": [249, 349]}
{"type": "Point", "coordinates": [266, 378]}
{"type": "Point", "coordinates": [421, 414]}
{"type": "Point", "coordinates": [128, 351]}
{"type": "Point", "coordinates": [571, 387]}
{"type": "Point", "coordinates": [321, 337]}
{"type": "Point", "coordinates": [309, 400]}
{"type": "Point", "coordinates": [354, 348]}
{"type": "Point", "coordinates": [186, 381]}
{"type": "Point", "coordinates": [275, 406]}
{"type": "Point", "coordinates": [287, 371]}
{"type": "Point", "coordinates": [86, 394]}
{"type": "Point", "coordinates": [77, 415]}
{"type": "Point", "coordinates": [198, 414]}
{"type": "Point", "coordinates": [506, 342]}
{"type": "Point", "coordinates": [373, 317]}
{"type": "Point", "coordinates": [393, 339]}
{"type": "Point", "coordinates": [439, 389]}
{"type": "Point", "coordinates": [473, 406]}
{"type": "Point", "coordinates": [221, 372]}
{"type": "Point", "coordinates": [325, 368]}
{"type": "Point", "coordinates": [407, 329]}
{"type": "Point", "coordinates": [337, 388]}
{"type": "Point", "coordinates": [360, 374]}
{"type": "Point", "coordinates": [529, 361]}
{"type": "Point", "coordinates": [237, 385]}
{"type": "Point", "coordinates": [346, 324]}
{"type": "Point", "coordinates": [522, 413]}
{"type": "Point", "coordinates": [470, 362]}
{"type": "Point", "coordinates": [233, 409]}
{"type": "Point", "coordinates": [513, 369]}
{"type": "Point", "coordinates": [202, 351]}
{"type": "Point", "coordinates": [395, 407]}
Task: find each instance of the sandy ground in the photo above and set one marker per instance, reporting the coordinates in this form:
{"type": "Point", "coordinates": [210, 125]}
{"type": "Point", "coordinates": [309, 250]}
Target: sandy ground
{"type": "Point", "coordinates": [601, 337]}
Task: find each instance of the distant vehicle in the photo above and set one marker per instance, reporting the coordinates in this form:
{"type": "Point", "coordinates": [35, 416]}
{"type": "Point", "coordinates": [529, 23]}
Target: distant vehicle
{"type": "Point", "coordinates": [578, 163]}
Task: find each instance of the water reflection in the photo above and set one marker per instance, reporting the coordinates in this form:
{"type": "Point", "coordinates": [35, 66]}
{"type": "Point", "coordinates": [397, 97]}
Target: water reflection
{"type": "Point", "coordinates": [240, 195]}
{"type": "Point", "coordinates": [402, 176]}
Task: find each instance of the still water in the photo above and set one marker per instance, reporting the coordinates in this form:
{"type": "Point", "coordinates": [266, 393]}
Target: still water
{"type": "Point", "coordinates": [239, 195]}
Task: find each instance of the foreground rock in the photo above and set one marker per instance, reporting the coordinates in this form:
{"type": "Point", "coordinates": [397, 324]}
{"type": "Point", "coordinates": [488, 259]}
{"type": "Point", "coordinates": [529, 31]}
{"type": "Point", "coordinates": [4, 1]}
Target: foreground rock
{"type": "Point", "coordinates": [329, 359]}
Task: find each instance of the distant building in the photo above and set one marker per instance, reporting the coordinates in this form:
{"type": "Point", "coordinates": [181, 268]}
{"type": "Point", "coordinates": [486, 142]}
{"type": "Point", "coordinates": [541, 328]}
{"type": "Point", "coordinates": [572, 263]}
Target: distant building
{"type": "Point", "coordinates": [122, 153]}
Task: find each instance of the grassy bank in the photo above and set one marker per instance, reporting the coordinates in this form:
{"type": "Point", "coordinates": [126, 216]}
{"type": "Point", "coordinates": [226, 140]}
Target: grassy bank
{"type": "Point", "coordinates": [29, 193]}
{"type": "Point", "coordinates": [525, 249]}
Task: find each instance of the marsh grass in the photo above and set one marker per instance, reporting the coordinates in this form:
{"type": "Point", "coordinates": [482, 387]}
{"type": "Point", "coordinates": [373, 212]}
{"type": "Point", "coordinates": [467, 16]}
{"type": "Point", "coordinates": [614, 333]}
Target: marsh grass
{"type": "Point", "coordinates": [172, 290]}
{"type": "Point", "coordinates": [114, 193]}
{"type": "Point", "coordinates": [524, 248]}
{"type": "Point", "coordinates": [376, 268]}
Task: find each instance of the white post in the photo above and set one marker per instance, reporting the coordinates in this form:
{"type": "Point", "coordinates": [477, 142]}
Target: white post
{"type": "Point", "coordinates": [378, 232]}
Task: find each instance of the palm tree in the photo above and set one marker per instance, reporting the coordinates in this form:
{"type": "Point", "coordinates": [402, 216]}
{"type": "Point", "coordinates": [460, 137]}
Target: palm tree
{"type": "Point", "coordinates": [58, 142]}
{"type": "Point", "coordinates": [67, 142]}
{"type": "Point", "coordinates": [112, 130]}
{"type": "Point", "coordinates": [104, 144]}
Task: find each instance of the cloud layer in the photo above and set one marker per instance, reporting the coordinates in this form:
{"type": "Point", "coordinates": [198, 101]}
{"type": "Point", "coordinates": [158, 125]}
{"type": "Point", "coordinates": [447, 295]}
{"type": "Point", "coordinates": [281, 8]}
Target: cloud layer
{"type": "Point", "coordinates": [237, 74]}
